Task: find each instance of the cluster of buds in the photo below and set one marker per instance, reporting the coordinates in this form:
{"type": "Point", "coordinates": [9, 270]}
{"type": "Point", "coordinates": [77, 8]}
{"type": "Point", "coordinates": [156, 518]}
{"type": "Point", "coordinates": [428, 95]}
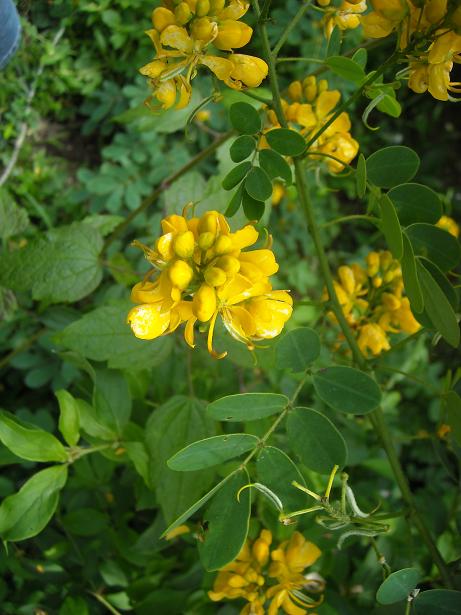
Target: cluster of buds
{"type": "Point", "coordinates": [372, 301]}
{"type": "Point", "coordinates": [184, 32]}
{"type": "Point", "coordinates": [205, 271]}
{"type": "Point", "coordinates": [309, 106]}
{"type": "Point", "coordinates": [259, 576]}
{"type": "Point", "coordinates": [346, 16]}
{"type": "Point", "coordinates": [430, 35]}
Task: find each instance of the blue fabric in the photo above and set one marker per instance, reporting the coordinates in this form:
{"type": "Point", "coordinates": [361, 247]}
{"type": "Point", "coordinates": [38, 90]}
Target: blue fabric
{"type": "Point", "coordinates": [10, 31]}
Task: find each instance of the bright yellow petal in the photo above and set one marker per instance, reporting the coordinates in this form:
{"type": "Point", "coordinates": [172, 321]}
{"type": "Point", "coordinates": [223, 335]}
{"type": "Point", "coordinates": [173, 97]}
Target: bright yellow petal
{"type": "Point", "coordinates": [148, 321]}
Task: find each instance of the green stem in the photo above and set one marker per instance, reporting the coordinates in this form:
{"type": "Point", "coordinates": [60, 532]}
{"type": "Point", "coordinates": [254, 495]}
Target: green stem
{"type": "Point", "coordinates": [350, 218]}
{"type": "Point", "coordinates": [164, 185]}
{"type": "Point", "coordinates": [376, 416]}
{"type": "Point", "coordinates": [293, 23]}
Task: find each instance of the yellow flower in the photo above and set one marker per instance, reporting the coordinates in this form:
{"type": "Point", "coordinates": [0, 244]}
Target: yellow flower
{"type": "Point", "coordinates": [448, 224]}
{"type": "Point", "coordinates": [386, 16]}
{"type": "Point", "coordinates": [206, 272]}
{"type": "Point", "coordinates": [372, 339]}
{"type": "Point", "coordinates": [345, 17]}
{"type": "Point", "coordinates": [181, 39]}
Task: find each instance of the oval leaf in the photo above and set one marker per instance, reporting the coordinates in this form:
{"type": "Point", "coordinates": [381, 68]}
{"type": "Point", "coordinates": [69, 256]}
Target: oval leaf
{"type": "Point", "coordinates": [29, 442]}
{"type": "Point", "coordinates": [346, 68]}
{"type": "Point", "coordinates": [390, 226]}
{"type": "Point", "coordinates": [245, 118]}
{"type": "Point", "coordinates": [242, 147]}
{"type": "Point", "coordinates": [434, 244]}
{"type": "Point", "coordinates": [316, 440]}
{"type": "Point", "coordinates": [26, 513]}
{"type": "Point", "coordinates": [438, 602]}
{"type": "Point", "coordinates": [298, 349]}
{"type": "Point", "coordinates": [234, 203]}
{"type": "Point", "coordinates": [415, 203]}
{"type": "Point", "coordinates": [227, 523]}
{"type": "Point", "coordinates": [211, 451]}
{"type": "Point", "coordinates": [247, 406]}
{"type": "Point", "coordinates": [410, 277]}
{"type": "Point", "coordinates": [392, 165]}
{"type": "Point", "coordinates": [69, 419]}
{"type": "Point", "coordinates": [275, 165]}
{"type": "Point", "coordinates": [347, 390]}
{"type": "Point", "coordinates": [235, 176]}
{"type": "Point", "coordinates": [277, 471]}
{"type": "Point", "coordinates": [258, 185]}
{"type": "Point", "coordinates": [398, 585]}
{"type": "Point", "coordinates": [361, 176]}
{"type": "Point", "coordinates": [252, 208]}
{"type": "Point", "coordinates": [285, 141]}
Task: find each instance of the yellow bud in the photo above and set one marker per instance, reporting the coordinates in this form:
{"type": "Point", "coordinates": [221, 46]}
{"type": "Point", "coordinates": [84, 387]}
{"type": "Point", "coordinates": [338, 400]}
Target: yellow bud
{"type": "Point", "coordinates": [223, 245]}
{"type": "Point", "coordinates": [261, 551]}
{"type": "Point", "coordinates": [215, 276]}
{"type": "Point", "coordinates": [373, 263]}
{"type": "Point", "coordinates": [206, 240]}
{"type": "Point", "coordinates": [385, 258]}
{"type": "Point", "coordinates": [391, 302]}
{"type": "Point", "coordinates": [202, 8]}
{"type": "Point", "coordinates": [204, 303]}
{"type": "Point", "coordinates": [203, 29]}
{"type": "Point", "coordinates": [323, 2]}
{"type": "Point", "coordinates": [216, 6]}
{"type": "Point", "coordinates": [161, 18]}
{"type": "Point", "coordinates": [323, 85]}
{"type": "Point", "coordinates": [377, 281]}
{"type": "Point", "coordinates": [389, 276]}
{"type": "Point", "coordinates": [229, 264]}
{"type": "Point", "coordinates": [182, 13]}
{"type": "Point", "coordinates": [180, 274]}
{"type": "Point", "coordinates": [208, 223]}
{"type": "Point", "coordinates": [236, 581]}
{"type": "Point", "coordinates": [295, 90]}
{"type": "Point", "coordinates": [184, 244]}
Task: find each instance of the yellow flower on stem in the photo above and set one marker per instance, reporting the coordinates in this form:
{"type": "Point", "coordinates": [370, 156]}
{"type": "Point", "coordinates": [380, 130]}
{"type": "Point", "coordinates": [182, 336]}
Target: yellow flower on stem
{"type": "Point", "coordinates": [345, 17]}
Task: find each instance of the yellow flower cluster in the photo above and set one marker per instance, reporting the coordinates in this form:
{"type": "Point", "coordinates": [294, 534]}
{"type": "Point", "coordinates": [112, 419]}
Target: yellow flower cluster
{"type": "Point", "coordinates": [205, 271]}
{"type": "Point", "coordinates": [309, 106]}
{"type": "Point", "coordinates": [183, 33]}
{"type": "Point", "coordinates": [248, 577]}
{"type": "Point", "coordinates": [346, 16]}
{"type": "Point", "coordinates": [373, 303]}
{"type": "Point", "coordinates": [431, 30]}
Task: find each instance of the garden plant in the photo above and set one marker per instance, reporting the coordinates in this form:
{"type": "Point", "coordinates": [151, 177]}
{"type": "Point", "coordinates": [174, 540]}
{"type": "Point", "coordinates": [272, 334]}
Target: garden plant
{"type": "Point", "coordinates": [229, 295]}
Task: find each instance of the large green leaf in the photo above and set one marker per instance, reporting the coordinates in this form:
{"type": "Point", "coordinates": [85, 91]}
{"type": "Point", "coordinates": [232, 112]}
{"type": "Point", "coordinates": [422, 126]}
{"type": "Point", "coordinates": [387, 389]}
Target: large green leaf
{"type": "Point", "coordinates": [438, 602]}
{"type": "Point", "coordinates": [415, 203]}
{"type": "Point", "coordinates": [277, 471]}
{"type": "Point", "coordinates": [286, 142]}
{"type": "Point", "coordinates": [391, 166]}
{"type": "Point", "coordinates": [62, 265]}
{"type": "Point", "coordinates": [275, 165]}
{"type": "Point", "coordinates": [245, 118]}
{"type": "Point", "coordinates": [103, 335]}
{"type": "Point", "coordinates": [297, 349]}
{"type": "Point", "coordinates": [347, 389]}
{"type": "Point", "coordinates": [111, 400]}
{"type": "Point", "coordinates": [212, 451]}
{"type": "Point", "coordinates": [346, 68]}
{"type": "Point", "coordinates": [316, 440]}
{"type": "Point", "coordinates": [179, 422]}
{"type": "Point", "coordinates": [242, 147]}
{"type": "Point", "coordinates": [258, 185]}
{"type": "Point", "coordinates": [13, 219]}
{"type": "Point", "coordinates": [435, 244]}
{"type": "Point", "coordinates": [390, 227]}
{"type": "Point", "coordinates": [25, 513]}
{"type": "Point", "coordinates": [69, 418]}
{"type": "Point", "coordinates": [398, 585]}
{"type": "Point", "coordinates": [28, 441]}
{"type": "Point", "coordinates": [227, 520]}
{"type": "Point", "coordinates": [247, 406]}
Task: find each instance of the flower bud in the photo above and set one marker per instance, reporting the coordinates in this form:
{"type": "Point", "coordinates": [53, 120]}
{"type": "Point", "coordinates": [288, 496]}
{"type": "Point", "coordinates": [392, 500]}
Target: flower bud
{"type": "Point", "coordinates": [209, 222]}
{"type": "Point", "coordinates": [232, 35]}
{"type": "Point", "coordinates": [206, 240]}
{"type": "Point", "coordinates": [182, 13]}
{"type": "Point", "coordinates": [236, 581]}
{"type": "Point", "coordinates": [184, 244]}
{"type": "Point", "coordinates": [162, 17]}
{"type": "Point", "coordinates": [203, 29]}
{"type": "Point", "coordinates": [180, 274]}
{"type": "Point", "coordinates": [148, 321]}
{"type": "Point", "coordinates": [229, 264]}
{"type": "Point", "coordinates": [322, 85]}
{"type": "Point", "coordinates": [223, 245]}
{"type": "Point", "coordinates": [163, 245]}
{"type": "Point", "coordinates": [248, 69]}
{"type": "Point", "coordinates": [214, 276]}
{"type": "Point", "coordinates": [295, 90]}
{"type": "Point", "coordinates": [377, 281]}
{"type": "Point", "coordinates": [202, 8]}
{"type": "Point", "coordinates": [325, 2]}
{"type": "Point", "coordinates": [261, 551]}
{"type": "Point", "coordinates": [216, 6]}
{"type": "Point", "coordinates": [204, 303]}
{"type": "Point", "coordinates": [347, 278]}
{"type": "Point", "coordinates": [373, 263]}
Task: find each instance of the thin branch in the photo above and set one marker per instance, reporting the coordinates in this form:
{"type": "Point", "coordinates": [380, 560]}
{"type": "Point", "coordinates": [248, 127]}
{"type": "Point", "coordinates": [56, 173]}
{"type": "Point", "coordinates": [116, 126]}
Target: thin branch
{"type": "Point", "coordinates": [290, 27]}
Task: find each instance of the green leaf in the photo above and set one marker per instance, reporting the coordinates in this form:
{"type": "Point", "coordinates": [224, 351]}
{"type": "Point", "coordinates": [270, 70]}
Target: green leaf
{"type": "Point", "coordinates": [390, 105]}
{"type": "Point", "coordinates": [438, 602]}
{"type": "Point", "coordinates": [346, 68]}
{"type": "Point", "coordinates": [74, 606]}
{"type": "Point", "coordinates": [13, 219]}
{"type": "Point", "coordinates": [253, 209]}
{"type": "Point", "coordinates": [25, 513]}
{"type": "Point", "coordinates": [179, 422]}
{"type": "Point", "coordinates": [137, 453]}
{"type": "Point", "coordinates": [111, 400]}
{"type": "Point", "coordinates": [258, 185]}
{"type": "Point", "coordinates": [103, 335]}
{"type": "Point", "coordinates": [277, 471]}
{"type": "Point", "coordinates": [452, 403]}
{"type": "Point", "coordinates": [85, 522]}
{"type": "Point", "coordinates": [361, 176]}
{"type": "Point", "coordinates": [390, 227]}
{"type": "Point", "coordinates": [410, 277]}
{"type": "Point", "coordinates": [434, 244]}
{"type": "Point", "coordinates": [69, 418]}
{"type": "Point", "coordinates": [334, 43]}
{"type": "Point", "coordinates": [360, 57]}
{"type": "Point", "coordinates": [286, 142]}
{"type": "Point", "coordinates": [247, 406]}
{"type": "Point", "coordinates": [90, 424]}
{"type": "Point", "coordinates": [62, 265]}
{"type": "Point", "coordinates": [236, 175]}
{"type": "Point", "coordinates": [234, 203]}
{"type": "Point", "coordinates": [28, 441]}
{"type": "Point", "coordinates": [196, 506]}
{"type": "Point", "coordinates": [242, 147]}
{"type": "Point", "coordinates": [416, 203]}
{"type": "Point", "coordinates": [347, 390]}
{"type": "Point", "coordinates": [245, 118]}
{"type": "Point", "coordinates": [398, 585]}
{"type": "Point", "coordinates": [227, 523]}
{"type": "Point", "coordinates": [391, 166]}
{"type": "Point", "coordinates": [212, 451]}
{"type": "Point", "coordinates": [316, 440]}
{"type": "Point", "coordinates": [103, 223]}
{"type": "Point", "coordinates": [297, 349]}
{"type": "Point", "coordinates": [275, 165]}
{"type": "Point", "coordinates": [438, 307]}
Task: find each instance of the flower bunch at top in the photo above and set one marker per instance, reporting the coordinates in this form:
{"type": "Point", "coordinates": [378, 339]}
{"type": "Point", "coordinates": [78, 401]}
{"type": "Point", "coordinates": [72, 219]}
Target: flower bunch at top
{"type": "Point", "coordinates": [346, 16]}
{"type": "Point", "coordinates": [373, 303]}
{"type": "Point", "coordinates": [183, 34]}
{"type": "Point", "coordinates": [206, 271]}
{"type": "Point", "coordinates": [260, 576]}
{"type": "Point", "coordinates": [309, 106]}
{"type": "Point", "coordinates": [431, 33]}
